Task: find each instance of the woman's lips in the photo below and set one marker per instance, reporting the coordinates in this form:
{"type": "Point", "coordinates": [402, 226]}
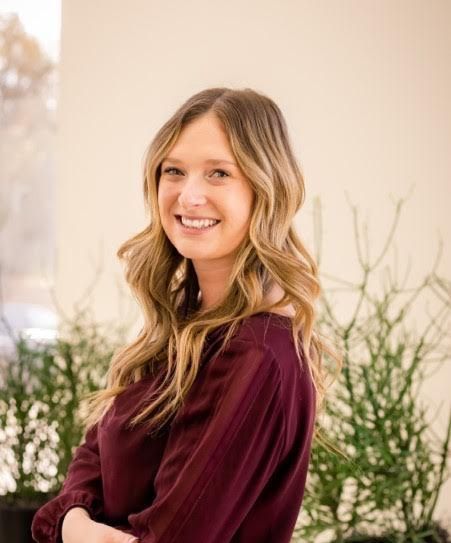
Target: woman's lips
{"type": "Point", "coordinates": [194, 231]}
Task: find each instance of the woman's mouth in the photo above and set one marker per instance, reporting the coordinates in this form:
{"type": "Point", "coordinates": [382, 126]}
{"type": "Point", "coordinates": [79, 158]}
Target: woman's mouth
{"type": "Point", "coordinates": [194, 230]}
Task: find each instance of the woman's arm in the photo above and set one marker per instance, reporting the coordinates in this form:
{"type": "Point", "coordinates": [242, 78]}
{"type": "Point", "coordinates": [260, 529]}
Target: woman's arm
{"type": "Point", "coordinates": [223, 447]}
{"type": "Point", "coordinates": [82, 488]}
{"type": "Point", "coordinates": [78, 527]}
{"type": "Point", "coordinates": [74, 524]}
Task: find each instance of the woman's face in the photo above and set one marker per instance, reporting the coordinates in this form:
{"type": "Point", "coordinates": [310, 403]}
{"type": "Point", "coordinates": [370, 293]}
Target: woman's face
{"type": "Point", "coordinates": [200, 179]}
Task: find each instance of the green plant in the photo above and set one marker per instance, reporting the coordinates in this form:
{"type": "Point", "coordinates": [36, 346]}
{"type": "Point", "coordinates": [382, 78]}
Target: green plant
{"type": "Point", "coordinates": [387, 488]}
{"type": "Point", "coordinates": [40, 392]}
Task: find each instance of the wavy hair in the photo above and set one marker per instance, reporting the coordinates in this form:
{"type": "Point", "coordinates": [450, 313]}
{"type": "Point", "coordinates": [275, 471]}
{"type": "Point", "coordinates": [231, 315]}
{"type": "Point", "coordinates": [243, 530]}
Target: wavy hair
{"type": "Point", "coordinates": [165, 283]}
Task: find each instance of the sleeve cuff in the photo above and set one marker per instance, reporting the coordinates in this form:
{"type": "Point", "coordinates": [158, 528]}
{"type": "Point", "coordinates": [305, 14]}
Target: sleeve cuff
{"type": "Point", "coordinates": [48, 520]}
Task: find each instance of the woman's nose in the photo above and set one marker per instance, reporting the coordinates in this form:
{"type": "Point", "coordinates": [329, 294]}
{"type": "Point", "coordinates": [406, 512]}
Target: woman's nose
{"type": "Point", "coordinates": [191, 200]}
{"type": "Point", "coordinates": [192, 194]}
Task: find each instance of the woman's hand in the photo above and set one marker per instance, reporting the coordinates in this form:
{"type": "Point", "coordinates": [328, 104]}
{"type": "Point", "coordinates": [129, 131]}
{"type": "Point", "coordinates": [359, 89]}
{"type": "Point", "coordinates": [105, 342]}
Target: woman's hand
{"type": "Point", "coordinates": [78, 527]}
{"type": "Point", "coordinates": [101, 533]}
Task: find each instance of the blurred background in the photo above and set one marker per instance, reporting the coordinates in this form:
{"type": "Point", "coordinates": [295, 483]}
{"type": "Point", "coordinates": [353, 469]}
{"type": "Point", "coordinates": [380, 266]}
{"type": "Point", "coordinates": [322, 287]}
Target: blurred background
{"type": "Point", "coordinates": [84, 86]}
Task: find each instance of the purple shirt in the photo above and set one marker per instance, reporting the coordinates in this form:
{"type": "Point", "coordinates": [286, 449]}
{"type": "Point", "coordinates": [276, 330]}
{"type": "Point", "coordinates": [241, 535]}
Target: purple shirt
{"type": "Point", "coordinates": [230, 467]}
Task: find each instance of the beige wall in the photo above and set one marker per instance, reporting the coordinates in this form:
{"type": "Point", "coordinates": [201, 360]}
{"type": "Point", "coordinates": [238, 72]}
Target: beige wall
{"type": "Point", "coordinates": [365, 88]}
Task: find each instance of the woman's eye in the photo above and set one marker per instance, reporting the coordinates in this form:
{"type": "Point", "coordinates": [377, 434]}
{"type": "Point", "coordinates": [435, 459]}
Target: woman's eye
{"type": "Point", "coordinates": [167, 170]}
{"type": "Point", "coordinates": [222, 171]}
{"type": "Point", "coordinates": [224, 174]}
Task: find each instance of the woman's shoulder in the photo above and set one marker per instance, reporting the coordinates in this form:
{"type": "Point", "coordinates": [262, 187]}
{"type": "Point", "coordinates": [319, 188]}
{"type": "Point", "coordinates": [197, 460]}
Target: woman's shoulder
{"type": "Point", "coordinates": [264, 335]}
{"type": "Point", "coordinates": [271, 333]}
{"type": "Point", "coordinates": [266, 328]}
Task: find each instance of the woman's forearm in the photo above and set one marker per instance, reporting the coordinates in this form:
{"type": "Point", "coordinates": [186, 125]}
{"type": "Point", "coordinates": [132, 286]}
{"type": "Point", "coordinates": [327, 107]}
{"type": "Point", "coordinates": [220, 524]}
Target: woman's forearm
{"type": "Point", "coordinates": [72, 522]}
{"type": "Point", "coordinates": [77, 511]}
{"type": "Point", "coordinates": [78, 527]}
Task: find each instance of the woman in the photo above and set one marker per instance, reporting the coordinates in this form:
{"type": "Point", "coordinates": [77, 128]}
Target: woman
{"type": "Point", "coordinates": [204, 431]}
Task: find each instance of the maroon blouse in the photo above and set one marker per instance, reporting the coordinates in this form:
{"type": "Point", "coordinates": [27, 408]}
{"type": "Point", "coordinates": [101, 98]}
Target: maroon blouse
{"type": "Point", "coordinates": [230, 467]}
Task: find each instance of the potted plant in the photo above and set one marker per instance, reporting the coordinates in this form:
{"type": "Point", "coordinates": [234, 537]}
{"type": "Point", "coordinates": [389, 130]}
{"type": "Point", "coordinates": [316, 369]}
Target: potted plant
{"type": "Point", "coordinates": [386, 490]}
{"type": "Point", "coordinates": [40, 392]}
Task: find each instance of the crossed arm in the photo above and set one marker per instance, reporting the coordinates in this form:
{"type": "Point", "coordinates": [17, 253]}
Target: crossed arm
{"type": "Point", "coordinates": [222, 449]}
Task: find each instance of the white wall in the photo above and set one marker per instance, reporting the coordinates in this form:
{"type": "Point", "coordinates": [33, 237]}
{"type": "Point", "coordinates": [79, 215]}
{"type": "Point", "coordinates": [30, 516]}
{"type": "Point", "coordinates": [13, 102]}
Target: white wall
{"type": "Point", "coordinates": [364, 86]}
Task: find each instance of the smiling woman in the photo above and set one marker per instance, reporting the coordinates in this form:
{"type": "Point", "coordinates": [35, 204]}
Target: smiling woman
{"type": "Point", "coordinates": [196, 192]}
{"type": "Point", "coordinates": [233, 386]}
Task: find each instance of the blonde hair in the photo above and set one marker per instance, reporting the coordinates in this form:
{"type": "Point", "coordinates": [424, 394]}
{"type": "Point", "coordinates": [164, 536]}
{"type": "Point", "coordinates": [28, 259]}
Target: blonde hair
{"type": "Point", "coordinates": [165, 283]}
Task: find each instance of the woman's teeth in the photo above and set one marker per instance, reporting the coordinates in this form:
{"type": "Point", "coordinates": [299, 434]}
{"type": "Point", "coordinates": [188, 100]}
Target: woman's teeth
{"type": "Point", "coordinates": [199, 224]}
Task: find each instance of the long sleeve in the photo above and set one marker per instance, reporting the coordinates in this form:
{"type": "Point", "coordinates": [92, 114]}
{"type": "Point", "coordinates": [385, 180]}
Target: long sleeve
{"type": "Point", "coordinates": [81, 488]}
{"type": "Point", "coordinates": [223, 447]}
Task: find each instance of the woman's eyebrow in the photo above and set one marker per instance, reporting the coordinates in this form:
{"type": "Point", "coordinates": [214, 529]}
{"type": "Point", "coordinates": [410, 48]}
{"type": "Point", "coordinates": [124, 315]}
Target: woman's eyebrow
{"type": "Point", "coordinates": [208, 161]}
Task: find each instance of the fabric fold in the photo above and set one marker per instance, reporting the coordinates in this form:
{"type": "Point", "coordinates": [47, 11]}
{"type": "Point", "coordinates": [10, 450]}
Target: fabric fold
{"type": "Point", "coordinates": [48, 521]}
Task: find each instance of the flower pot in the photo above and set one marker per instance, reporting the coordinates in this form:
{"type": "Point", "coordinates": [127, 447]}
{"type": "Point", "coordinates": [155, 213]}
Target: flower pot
{"type": "Point", "coordinates": [15, 523]}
